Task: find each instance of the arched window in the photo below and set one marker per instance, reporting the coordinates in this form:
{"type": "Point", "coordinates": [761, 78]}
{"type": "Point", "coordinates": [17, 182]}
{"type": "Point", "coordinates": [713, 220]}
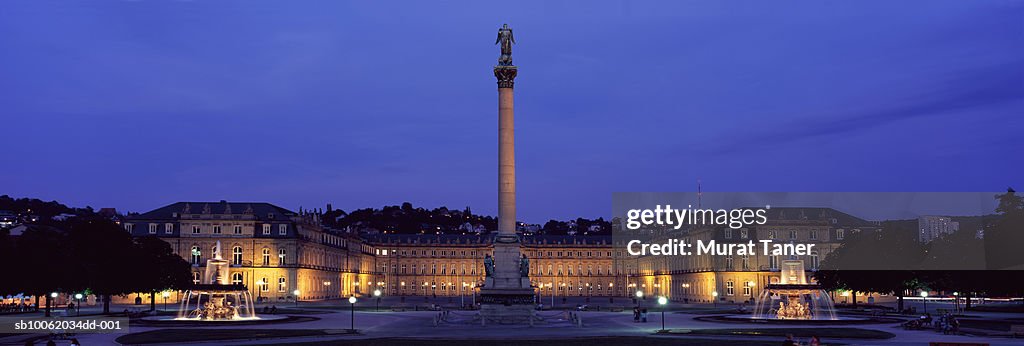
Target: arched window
{"type": "Point", "coordinates": [197, 255]}
{"type": "Point", "coordinates": [236, 279]}
{"type": "Point", "coordinates": [282, 256]}
{"type": "Point", "coordinates": [266, 256]}
{"type": "Point", "coordinates": [236, 255]}
{"type": "Point", "coordinates": [282, 285]}
{"type": "Point", "coordinates": [264, 285]}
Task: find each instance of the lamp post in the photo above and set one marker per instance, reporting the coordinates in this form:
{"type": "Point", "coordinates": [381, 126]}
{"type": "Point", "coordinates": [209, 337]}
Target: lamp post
{"type": "Point", "coordinates": [165, 295]}
{"type": "Point", "coordinates": [259, 289]}
{"type": "Point", "coordinates": [402, 292]}
{"type": "Point", "coordinates": [662, 301]}
{"type": "Point", "coordinates": [956, 300]}
{"type": "Point", "coordinates": [352, 303]}
{"type": "Point", "coordinates": [924, 296]}
{"type": "Point", "coordinates": [78, 306]}
{"type": "Point", "coordinates": [327, 287]}
{"type": "Point", "coordinates": [50, 302]}
{"type": "Point", "coordinates": [551, 291]}
{"type": "Point", "coordinates": [296, 293]}
{"type": "Point", "coordinates": [639, 295]}
{"type": "Point", "coordinates": [714, 297]}
{"type": "Point", "coordinates": [376, 293]}
{"type": "Point", "coordinates": [462, 294]}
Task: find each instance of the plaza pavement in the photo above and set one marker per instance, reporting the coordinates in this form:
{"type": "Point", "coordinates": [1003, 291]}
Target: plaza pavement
{"type": "Point", "coordinates": [420, 325]}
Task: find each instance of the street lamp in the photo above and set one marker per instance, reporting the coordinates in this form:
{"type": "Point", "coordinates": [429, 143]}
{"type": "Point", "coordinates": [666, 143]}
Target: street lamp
{"type": "Point", "coordinates": [296, 293]}
{"type": "Point", "coordinates": [352, 303]}
{"type": "Point", "coordinates": [639, 295]}
{"type": "Point", "coordinates": [165, 295]}
{"type": "Point", "coordinates": [924, 296]}
{"type": "Point", "coordinates": [714, 296]}
{"type": "Point", "coordinates": [956, 299]}
{"type": "Point", "coordinates": [78, 307]}
{"type": "Point", "coordinates": [662, 301]}
{"type": "Point", "coordinates": [376, 293]}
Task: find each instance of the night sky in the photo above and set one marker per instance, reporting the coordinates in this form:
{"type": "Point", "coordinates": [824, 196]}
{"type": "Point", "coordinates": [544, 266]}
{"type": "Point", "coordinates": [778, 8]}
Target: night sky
{"type": "Point", "coordinates": [138, 104]}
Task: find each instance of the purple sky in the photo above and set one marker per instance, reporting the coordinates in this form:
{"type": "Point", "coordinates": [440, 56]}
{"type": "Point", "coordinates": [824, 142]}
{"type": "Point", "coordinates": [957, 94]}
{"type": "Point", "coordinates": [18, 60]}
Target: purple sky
{"type": "Point", "coordinates": [138, 104]}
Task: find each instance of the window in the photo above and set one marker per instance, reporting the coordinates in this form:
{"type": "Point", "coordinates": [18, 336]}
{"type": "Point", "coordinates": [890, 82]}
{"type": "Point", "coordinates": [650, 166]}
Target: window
{"type": "Point", "coordinates": [195, 229]}
{"type": "Point", "coordinates": [282, 229]}
{"type": "Point", "coordinates": [728, 233]}
{"type": "Point", "coordinates": [266, 229]}
{"type": "Point", "coordinates": [129, 227]}
{"type": "Point", "coordinates": [152, 228]}
{"type": "Point", "coordinates": [746, 262]}
{"type": "Point", "coordinates": [168, 228]}
{"type": "Point", "coordinates": [266, 257]}
{"type": "Point", "coordinates": [728, 263]}
{"type": "Point", "coordinates": [264, 285]}
{"type": "Point", "coordinates": [814, 260]}
{"type": "Point", "coordinates": [236, 279]}
{"type": "Point", "coordinates": [773, 262]}
{"type": "Point", "coordinates": [747, 290]}
{"type": "Point", "coordinates": [814, 234]}
{"type": "Point", "coordinates": [792, 234]}
{"type": "Point", "coordinates": [195, 278]}
{"type": "Point", "coordinates": [282, 257]}
{"type": "Point", "coordinates": [216, 229]}
{"type": "Point", "coordinates": [839, 234]}
{"type": "Point", "coordinates": [236, 255]}
{"type": "Point", "coordinates": [730, 288]}
{"type": "Point", "coordinates": [744, 234]}
{"type": "Point", "coordinates": [238, 229]}
{"type": "Point", "coordinates": [771, 234]}
{"type": "Point", "coordinates": [433, 268]}
{"type": "Point", "coordinates": [282, 285]}
{"type": "Point", "coordinates": [197, 255]}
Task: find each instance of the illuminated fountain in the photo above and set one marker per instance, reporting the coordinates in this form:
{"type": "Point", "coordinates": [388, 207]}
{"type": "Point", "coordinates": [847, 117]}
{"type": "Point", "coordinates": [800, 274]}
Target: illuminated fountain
{"type": "Point", "coordinates": [217, 299]}
{"type": "Point", "coordinates": [793, 298]}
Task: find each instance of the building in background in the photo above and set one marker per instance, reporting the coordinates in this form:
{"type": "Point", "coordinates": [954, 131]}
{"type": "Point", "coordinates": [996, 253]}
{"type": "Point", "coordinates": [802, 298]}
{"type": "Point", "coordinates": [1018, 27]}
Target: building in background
{"type": "Point", "coordinates": [932, 227]}
{"type": "Point", "coordinates": [274, 252]}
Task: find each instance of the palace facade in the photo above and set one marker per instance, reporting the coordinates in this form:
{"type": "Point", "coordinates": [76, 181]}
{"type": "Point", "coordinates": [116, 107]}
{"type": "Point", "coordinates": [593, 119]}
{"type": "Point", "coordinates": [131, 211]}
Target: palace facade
{"type": "Point", "coordinates": [280, 255]}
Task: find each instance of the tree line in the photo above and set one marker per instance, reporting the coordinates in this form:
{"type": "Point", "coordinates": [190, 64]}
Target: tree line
{"type": "Point", "coordinates": [87, 254]}
{"type": "Point", "coordinates": [893, 261]}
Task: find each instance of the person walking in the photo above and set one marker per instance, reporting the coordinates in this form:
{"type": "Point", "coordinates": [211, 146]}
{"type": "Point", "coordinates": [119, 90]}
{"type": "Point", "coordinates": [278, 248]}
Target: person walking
{"type": "Point", "coordinates": [636, 315]}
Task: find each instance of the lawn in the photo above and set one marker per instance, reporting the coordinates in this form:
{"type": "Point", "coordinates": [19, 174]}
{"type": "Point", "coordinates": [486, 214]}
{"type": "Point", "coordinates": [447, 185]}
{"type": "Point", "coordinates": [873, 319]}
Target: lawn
{"type": "Point", "coordinates": [831, 333]}
{"type": "Point", "coordinates": [176, 335]}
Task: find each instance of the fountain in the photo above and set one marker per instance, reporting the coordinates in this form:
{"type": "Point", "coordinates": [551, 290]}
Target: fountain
{"type": "Point", "coordinates": [793, 298]}
{"type": "Point", "coordinates": [217, 299]}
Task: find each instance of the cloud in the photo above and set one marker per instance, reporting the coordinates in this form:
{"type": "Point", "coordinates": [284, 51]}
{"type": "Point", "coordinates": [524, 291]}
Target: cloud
{"type": "Point", "coordinates": [974, 89]}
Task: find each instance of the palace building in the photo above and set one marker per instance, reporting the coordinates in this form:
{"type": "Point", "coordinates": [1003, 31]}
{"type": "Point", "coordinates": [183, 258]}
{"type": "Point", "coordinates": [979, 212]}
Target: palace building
{"type": "Point", "coordinates": [277, 253]}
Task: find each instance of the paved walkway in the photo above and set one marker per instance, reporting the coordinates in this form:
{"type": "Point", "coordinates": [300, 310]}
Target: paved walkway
{"type": "Point", "coordinates": [419, 324]}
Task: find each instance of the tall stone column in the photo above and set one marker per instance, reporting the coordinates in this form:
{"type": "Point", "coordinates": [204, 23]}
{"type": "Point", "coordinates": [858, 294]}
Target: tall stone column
{"type": "Point", "coordinates": [507, 295]}
{"type": "Point", "coordinates": [506, 153]}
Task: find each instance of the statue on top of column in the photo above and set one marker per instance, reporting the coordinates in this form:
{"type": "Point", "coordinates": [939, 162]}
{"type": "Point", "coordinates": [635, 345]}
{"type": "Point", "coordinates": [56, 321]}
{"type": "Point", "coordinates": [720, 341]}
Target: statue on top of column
{"type": "Point", "coordinates": [506, 40]}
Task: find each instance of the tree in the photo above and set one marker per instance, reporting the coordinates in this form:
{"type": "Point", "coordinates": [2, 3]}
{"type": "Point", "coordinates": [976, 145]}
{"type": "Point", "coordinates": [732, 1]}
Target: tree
{"type": "Point", "coordinates": [103, 256]}
{"type": "Point", "coordinates": [48, 264]}
{"type": "Point", "coordinates": [158, 268]}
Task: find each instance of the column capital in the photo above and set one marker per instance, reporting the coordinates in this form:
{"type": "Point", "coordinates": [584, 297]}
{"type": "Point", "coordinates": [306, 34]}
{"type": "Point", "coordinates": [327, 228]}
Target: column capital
{"type": "Point", "coordinates": [506, 75]}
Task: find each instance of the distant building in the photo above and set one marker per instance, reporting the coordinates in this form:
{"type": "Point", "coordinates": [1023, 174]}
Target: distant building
{"type": "Point", "coordinates": [7, 219]}
{"type": "Point", "coordinates": [932, 227]}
